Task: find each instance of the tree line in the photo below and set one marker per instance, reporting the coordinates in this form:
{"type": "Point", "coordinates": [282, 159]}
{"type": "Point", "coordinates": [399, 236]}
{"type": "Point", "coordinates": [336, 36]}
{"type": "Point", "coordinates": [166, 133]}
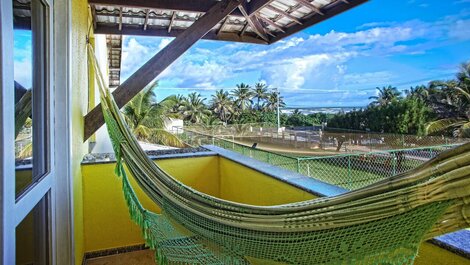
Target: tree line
{"type": "Point", "coordinates": [441, 107]}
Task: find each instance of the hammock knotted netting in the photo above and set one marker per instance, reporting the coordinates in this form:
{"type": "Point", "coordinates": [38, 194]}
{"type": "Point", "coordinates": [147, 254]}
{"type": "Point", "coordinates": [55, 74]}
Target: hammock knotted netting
{"type": "Point", "coordinates": [383, 223]}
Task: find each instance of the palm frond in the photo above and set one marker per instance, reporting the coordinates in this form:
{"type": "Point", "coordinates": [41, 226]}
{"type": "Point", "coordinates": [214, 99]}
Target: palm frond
{"type": "Point", "coordinates": [443, 125]}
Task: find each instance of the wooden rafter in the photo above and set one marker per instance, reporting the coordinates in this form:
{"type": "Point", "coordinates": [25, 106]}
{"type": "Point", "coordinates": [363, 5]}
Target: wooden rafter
{"type": "Point", "coordinates": [330, 12]}
{"type": "Point", "coordinates": [120, 18]}
{"type": "Point", "coordinates": [284, 13]}
{"type": "Point", "coordinates": [159, 62]}
{"type": "Point", "coordinates": [255, 24]}
{"type": "Point", "coordinates": [93, 14]}
{"type": "Point", "coordinates": [197, 6]}
{"type": "Point", "coordinates": [249, 29]}
{"type": "Point", "coordinates": [308, 4]}
{"type": "Point", "coordinates": [173, 16]}
{"type": "Point", "coordinates": [270, 22]}
{"type": "Point", "coordinates": [255, 5]}
{"type": "Point", "coordinates": [162, 31]}
{"type": "Point", "coordinates": [244, 29]}
{"type": "Point", "coordinates": [222, 26]}
{"type": "Point", "coordinates": [146, 21]}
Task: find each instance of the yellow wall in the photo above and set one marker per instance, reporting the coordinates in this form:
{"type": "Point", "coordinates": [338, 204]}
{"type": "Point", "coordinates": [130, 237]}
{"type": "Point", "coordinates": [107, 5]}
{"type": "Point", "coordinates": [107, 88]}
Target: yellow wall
{"type": "Point", "coordinates": [79, 95]}
{"type": "Point", "coordinates": [107, 224]}
{"type": "Point", "coordinates": [430, 254]}
{"type": "Point", "coordinates": [245, 185]}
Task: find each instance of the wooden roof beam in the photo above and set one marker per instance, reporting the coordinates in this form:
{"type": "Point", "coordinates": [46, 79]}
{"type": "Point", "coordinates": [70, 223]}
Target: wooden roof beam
{"type": "Point", "coordinates": [222, 26]}
{"type": "Point", "coordinates": [329, 12]}
{"type": "Point", "coordinates": [198, 6]}
{"type": "Point", "coordinates": [173, 16]}
{"type": "Point", "coordinates": [284, 13]}
{"type": "Point", "coordinates": [255, 5]}
{"type": "Point", "coordinates": [160, 31]}
{"type": "Point", "coordinates": [120, 18]}
{"type": "Point", "coordinates": [160, 61]}
{"type": "Point", "coordinates": [255, 24]}
{"type": "Point", "coordinates": [308, 4]}
{"type": "Point", "coordinates": [147, 11]}
{"type": "Point", "coordinates": [270, 22]}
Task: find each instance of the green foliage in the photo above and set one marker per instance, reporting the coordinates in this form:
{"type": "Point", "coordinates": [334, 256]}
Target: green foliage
{"type": "Point", "coordinates": [406, 116]}
{"type": "Point", "coordinates": [442, 107]}
{"type": "Point", "coordinates": [146, 117]}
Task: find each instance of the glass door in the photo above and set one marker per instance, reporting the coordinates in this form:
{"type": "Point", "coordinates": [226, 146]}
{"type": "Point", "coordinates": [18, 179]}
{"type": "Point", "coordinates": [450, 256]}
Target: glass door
{"type": "Point", "coordinates": [27, 135]}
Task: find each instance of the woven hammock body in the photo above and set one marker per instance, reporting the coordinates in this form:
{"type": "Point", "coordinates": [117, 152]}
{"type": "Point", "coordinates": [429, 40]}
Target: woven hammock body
{"type": "Point", "coordinates": [381, 223]}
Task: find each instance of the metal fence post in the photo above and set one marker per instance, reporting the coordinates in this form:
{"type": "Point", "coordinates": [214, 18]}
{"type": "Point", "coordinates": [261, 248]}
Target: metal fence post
{"type": "Point", "coordinates": [349, 172]}
{"type": "Point", "coordinates": [394, 164]}
{"type": "Point", "coordinates": [298, 165]}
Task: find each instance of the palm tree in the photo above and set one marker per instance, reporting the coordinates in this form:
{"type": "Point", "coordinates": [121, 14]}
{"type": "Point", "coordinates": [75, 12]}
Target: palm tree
{"type": "Point", "coordinates": [464, 76]}
{"type": "Point", "coordinates": [221, 104]}
{"type": "Point", "coordinates": [271, 103]}
{"type": "Point", "coordinates": [146, 117]}
{"type": "Point", "coordinates": [451, 101]}
{"type": "Point", "coordinates": [194, 109]}
{"type": "Point", "coordinates": [177, 107]}
{"type": "Point", "coordinates": [260, 93]}
{"type": "Point", "coordinates": [420, 92]}
{"type": "Point", "coordinates": [386, 95]}
{"type": "Point", "coordinates": [243, 96]}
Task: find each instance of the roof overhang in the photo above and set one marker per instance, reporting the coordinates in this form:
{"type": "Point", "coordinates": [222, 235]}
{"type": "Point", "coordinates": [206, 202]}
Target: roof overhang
{"type": "Point", "coordinates": [255, 21]}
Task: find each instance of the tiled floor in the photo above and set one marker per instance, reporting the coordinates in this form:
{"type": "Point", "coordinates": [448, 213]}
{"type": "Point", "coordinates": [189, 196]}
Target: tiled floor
{"type": "Point", "coordinates": [140, 257]}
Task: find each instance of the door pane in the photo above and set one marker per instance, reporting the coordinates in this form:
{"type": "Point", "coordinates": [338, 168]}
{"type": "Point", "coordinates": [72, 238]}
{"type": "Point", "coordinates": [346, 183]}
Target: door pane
{"type": "Point", "coordinates": [31, 91]}
{"type": "Point", "coordinates": [33, 237]}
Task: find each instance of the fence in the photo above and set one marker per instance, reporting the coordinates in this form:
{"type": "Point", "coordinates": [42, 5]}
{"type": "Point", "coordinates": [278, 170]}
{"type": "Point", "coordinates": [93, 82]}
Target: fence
{"type": "Point", "coordinates": [350, 171]}
{"type": "Point", "coordinates": [328, 139]}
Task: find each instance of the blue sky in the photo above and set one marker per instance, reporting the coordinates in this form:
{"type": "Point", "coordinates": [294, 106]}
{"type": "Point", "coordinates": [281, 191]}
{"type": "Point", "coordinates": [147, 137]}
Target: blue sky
{"type": "Point", "coordinates": [338, 62]}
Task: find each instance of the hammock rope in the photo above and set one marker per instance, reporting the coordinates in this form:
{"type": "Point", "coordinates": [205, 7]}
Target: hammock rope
{"type": "Point", "coordinates": [383, 223]}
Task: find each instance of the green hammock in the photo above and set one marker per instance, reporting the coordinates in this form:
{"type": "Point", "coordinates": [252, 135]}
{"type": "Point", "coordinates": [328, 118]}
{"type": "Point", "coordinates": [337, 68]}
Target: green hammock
{"type": "Point", "coordinates": [383, 223]}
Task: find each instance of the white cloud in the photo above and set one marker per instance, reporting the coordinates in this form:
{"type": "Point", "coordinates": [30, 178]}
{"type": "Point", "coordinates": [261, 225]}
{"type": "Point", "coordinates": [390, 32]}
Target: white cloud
{"type": "Point", "coordinates": [307, 63]}
{"type": "Point", "coordinates": [460, 30]}
{"type": "Point", "coordinates": [369, 78]}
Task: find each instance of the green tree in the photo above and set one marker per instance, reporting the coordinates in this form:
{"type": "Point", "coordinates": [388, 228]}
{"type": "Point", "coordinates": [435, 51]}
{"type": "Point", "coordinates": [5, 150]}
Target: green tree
{"type": "Point", "coordinates": [260, 92]}
{"type": "Point", "coordinates": [272, 101]}
{"type": "Point", "coordinates": [386, 95]}
{"type": "Point", "coordinates": [177, 108]}
{"type": "Point", "coordinates": [222, 105]}
{"type": "Point", "coordinates": [194, 109]}
{"type": "Point", "coordinates": [146, 117]}
{"type": "Point", "coordinates": [243, 97]}
{"type": "Point", "coordinates": [451, 101]}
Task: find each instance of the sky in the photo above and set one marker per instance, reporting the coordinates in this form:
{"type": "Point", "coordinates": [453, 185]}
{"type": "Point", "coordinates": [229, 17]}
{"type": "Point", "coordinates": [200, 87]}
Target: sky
{"type": "Point", "coordinates": [338, 62]}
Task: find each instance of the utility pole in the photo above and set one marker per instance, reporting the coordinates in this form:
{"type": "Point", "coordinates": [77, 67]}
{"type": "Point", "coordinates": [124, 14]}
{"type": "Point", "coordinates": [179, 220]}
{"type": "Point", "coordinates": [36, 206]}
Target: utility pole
{"type": "Point", "coordinates": [278, 114]}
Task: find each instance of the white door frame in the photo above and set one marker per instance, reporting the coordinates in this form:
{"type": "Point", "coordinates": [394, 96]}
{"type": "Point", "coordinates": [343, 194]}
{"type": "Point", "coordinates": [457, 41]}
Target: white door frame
{"type": "Point", "coordinates": [63, 242]}
{"type": "Point", "coordinates": [13, 210]}
{"type": "Point", "coordinates": [7, 145]}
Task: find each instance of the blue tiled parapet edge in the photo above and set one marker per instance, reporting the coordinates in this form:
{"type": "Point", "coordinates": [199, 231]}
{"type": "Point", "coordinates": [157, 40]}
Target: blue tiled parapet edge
{"type": "Point", "coordinates": [308, 184]}
{"type": "Point", "coordinates": [457, 242]}
{"type": "Point", "coordinates": [154, 155]}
